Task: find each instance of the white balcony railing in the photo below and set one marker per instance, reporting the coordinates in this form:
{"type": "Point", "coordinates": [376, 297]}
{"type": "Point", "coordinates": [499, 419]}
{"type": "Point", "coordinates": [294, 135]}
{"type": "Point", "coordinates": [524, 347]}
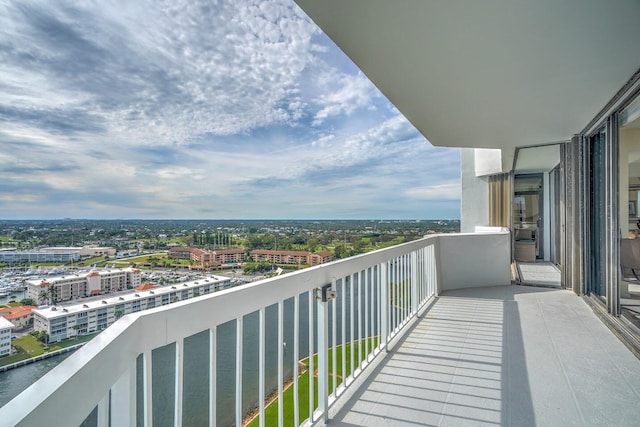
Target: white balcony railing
{"type": "Point", "coordinates": [209, 360]}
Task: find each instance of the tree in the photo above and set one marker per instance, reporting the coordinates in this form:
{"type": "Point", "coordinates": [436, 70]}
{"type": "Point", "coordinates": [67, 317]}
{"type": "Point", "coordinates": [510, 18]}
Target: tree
{"type": "Point", "coordinates": [43, 297]}
{"type": "Point", "coordinates": [27, 301]}
{"type": "Point", "coordinates": [312, 245]}
{"type": "Point", "coordinates": [118, 314]}
{"type": "Point", "coordinates": [53, 294]}
{"type": "Point", "coordinates": [340, 251]}
{"type": "Point", "coordinates": [41, 336]}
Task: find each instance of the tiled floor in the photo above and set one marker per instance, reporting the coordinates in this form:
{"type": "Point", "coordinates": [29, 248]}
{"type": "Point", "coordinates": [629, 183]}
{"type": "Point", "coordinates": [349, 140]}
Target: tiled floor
{"type": "Point", "coordinates": [539, 273]}
{"type": "Point", "coordinates": [511, 356]}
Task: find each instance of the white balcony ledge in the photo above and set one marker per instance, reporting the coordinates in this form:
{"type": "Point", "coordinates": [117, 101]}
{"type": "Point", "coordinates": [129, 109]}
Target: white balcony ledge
{"type": "Point", "coordinates": [508, 355]}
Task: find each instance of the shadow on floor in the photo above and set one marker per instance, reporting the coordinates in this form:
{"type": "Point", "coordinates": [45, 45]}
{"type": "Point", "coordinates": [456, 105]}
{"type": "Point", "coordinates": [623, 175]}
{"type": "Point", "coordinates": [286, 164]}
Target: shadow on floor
{"type": "Point", "coordinates": [508, 355]}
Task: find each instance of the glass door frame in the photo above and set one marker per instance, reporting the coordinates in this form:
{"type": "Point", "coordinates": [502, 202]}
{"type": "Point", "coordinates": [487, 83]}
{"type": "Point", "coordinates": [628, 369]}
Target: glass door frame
{"type": "Point", "coordinates": [539, 223]}
{"type": "Point", "coordinates": [606, 269]}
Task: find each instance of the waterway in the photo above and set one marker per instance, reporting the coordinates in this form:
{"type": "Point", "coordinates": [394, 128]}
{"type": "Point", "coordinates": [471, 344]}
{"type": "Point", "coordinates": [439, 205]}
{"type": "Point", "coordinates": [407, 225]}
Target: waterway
{"type": "Point", "coordinates": [18, 296]}
{"type": "Point", "coordinates": [14, 381]}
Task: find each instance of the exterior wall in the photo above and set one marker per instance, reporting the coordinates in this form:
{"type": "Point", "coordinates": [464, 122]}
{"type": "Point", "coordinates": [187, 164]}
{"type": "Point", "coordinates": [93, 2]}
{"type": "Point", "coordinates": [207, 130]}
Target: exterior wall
{"type": "Point", "coordinates": [180, 253]}
{"type": "Point", "coordinates": [5, 337]}
{"type": "Point", "coordinates": [78, 286]}
{"type": "Point", "coordinates": [229, 256]}
{"type": "Point", "coordinates": [208, 258]}
{"type": "Point", "coordinates": [474, 204]}
{"type": "Point", "coordinates": [89, 251]}
{"type": "Point", "coordinates": [16, 256]}
{"type": "Point", "coordinates": [20, 317]}
{"type": "Point", "coordinates": [66, 322]}
{"type": "Point", "coordinates": [289, 257]}
{"type": "Point", "coordinates": [486, 260]}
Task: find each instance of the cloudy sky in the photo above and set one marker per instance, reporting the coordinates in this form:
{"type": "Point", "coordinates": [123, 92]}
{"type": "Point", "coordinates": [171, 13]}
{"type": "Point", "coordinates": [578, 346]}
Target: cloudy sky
{"type": "Point", "coordinates": [227, 109]}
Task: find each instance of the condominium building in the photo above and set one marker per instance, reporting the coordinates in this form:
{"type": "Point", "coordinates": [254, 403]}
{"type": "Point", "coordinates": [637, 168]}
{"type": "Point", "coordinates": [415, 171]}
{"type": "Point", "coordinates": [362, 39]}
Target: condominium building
{"type": "Point", "coordinates": [290, 257]}
{"type": "Point", "coordinates": [5, 336]}
{"type": "Point", "coordinates": [73, 286]}
{"type": "Point", "coordinates": [62, 322]}
{"type": "Point", "coordinates": [208, 258]}
{"type": "Point", "coordinates": [228, 256]}
{"type": "Point", "coordinates": [10, 257]}
{"type": "Point", "coordinates": [85, 251]}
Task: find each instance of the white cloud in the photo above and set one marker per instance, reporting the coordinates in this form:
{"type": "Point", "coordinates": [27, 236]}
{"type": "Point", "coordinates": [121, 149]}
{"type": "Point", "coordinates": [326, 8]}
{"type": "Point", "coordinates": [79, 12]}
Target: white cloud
{"type": "Point", "coordinates": [444, 191]}
{"type": "Point", "coordinates": [195, 109]}
{"type": "Point", "coordinates": [346, 94]}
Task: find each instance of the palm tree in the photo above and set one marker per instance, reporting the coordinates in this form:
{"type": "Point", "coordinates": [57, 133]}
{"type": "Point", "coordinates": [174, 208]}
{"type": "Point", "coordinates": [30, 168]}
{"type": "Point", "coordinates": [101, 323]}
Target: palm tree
{"type": "Point", "coordinates": [53, 294]}
{"type": "Point", "coordinates": [43, 297]}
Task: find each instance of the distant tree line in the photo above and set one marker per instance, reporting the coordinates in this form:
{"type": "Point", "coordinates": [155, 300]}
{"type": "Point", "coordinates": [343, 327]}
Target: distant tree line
{"type": "Point", "coordinates": [213, 239]}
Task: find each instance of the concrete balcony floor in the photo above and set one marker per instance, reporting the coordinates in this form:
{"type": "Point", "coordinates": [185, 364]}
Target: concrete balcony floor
{"type": "Point", "coordinates": [511, 356]}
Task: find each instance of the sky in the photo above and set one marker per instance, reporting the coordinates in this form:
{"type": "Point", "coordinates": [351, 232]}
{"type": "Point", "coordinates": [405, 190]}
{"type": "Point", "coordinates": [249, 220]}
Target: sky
{"type": "Point", "coordinates": [201, 109]}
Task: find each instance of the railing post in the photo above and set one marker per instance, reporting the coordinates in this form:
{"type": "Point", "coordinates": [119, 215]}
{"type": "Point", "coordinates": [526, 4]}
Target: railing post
{"type": "Point", "coordinates": [261, 367]}
{"type": "Point", "coordinates": [414, 283]}
{"type": "Point", "coordinates": [103, 411]}
{"type": "Point", "coordinates": [323, 360]}
{"type": "Point", "coordinates": [123, 399]}
{"type": "Point", "coordinates": [179, 382]}
{"type": "Point", "coordinates": [238, 408]}
{"type": "Point", "coordinates": [212, 376]}
{"type": "Point", "coordinates": [148, 388]}
{"type": "Point", "coordinates": [384, 305]}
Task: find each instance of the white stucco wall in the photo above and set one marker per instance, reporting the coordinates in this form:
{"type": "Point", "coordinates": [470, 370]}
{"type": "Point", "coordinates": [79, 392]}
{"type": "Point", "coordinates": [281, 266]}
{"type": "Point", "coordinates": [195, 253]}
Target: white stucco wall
{"type": "Point", "coordinates": [474, 204]}
{"type": "Point", "coordinates": [486, 260]}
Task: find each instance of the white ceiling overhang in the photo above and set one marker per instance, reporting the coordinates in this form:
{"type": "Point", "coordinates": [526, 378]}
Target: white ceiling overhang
{"type": "Point", "coordinates": [491, 73]}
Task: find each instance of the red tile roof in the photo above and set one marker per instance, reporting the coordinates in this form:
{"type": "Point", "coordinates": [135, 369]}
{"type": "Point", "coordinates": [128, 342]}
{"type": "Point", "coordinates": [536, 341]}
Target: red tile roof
{"type": "Point", "coordinates": [145, 287]}
{"type": "Point", "coordinates": [16, 312]}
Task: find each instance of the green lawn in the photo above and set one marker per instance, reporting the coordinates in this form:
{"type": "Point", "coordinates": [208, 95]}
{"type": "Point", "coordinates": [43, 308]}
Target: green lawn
{"type": "Point", "coordinates": [28, 346]}
{"type": "Point", "coordinates": [271, 411]}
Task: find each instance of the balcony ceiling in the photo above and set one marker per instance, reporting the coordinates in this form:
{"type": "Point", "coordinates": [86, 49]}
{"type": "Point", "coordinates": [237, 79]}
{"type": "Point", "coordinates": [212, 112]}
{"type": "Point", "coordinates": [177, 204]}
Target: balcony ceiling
{"type": "Point", "coordinates": [492, 74]}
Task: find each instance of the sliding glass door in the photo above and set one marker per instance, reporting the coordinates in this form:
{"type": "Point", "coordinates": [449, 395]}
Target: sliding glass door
{"type": "Point", "coordinates": [597, 221]}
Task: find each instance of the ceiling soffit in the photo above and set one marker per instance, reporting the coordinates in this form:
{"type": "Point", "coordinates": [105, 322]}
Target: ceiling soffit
{"type": "Point", "coordinates": [491, 74]}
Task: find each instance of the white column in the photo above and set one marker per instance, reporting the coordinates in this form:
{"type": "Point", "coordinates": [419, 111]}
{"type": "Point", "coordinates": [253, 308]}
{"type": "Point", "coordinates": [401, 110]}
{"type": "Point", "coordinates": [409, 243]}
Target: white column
{"type": "Point", "coordinates": [123, 399]}
{"type": "Point", "coordinates": [179, 372]}
{"type": "Point", "coordinates": [384, 307]}
{"type": "Point", "coordinates": [103, 411]}
{"type": "Point", "coordinates": [148, 387]}
{"type": "Point", "coordinates": [239, 371]}
{"type": "Point", "coordinates": [212, 376]}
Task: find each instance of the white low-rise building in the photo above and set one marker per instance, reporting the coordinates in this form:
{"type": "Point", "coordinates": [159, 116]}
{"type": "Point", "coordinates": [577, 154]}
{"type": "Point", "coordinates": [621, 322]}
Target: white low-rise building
{"type": "Point", "coordinates": [73, 286]}
{"type": "Point", "coordinates": [61, 322]}
{"type": "Point", "coordinates": [84, 251]}
{"type": "Point", "coordinates": [13, 256]}
{"type": "Point", "coordinates": [5, 337]}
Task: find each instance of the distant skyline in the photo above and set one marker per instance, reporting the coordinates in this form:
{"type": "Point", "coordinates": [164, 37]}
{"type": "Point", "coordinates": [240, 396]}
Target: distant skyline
{"type": "Point", "coordinates": [213, 110]}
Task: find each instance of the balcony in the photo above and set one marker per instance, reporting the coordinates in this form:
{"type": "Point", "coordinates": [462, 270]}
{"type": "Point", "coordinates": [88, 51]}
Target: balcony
{"type": "Point", "coordinates": [425, 332]}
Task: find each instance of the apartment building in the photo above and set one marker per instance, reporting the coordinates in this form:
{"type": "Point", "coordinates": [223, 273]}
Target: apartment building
{"type": "Point", "coordinates": [228, 256]}
{"type": "Point", "coordinates": [85, 251]}
{"type": "Point", "coordinates": [207, 258]}
{"type": "Point", "coordinates": [5, 336]}
{"type": "Point", "coordinates": [62, 322]}
{"type": "Point", "coordinates": [73, 286]}
{"type": "Point", "coordinates": [290, 257]}
{"type": "Point", "coordinates": [10, 257]}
